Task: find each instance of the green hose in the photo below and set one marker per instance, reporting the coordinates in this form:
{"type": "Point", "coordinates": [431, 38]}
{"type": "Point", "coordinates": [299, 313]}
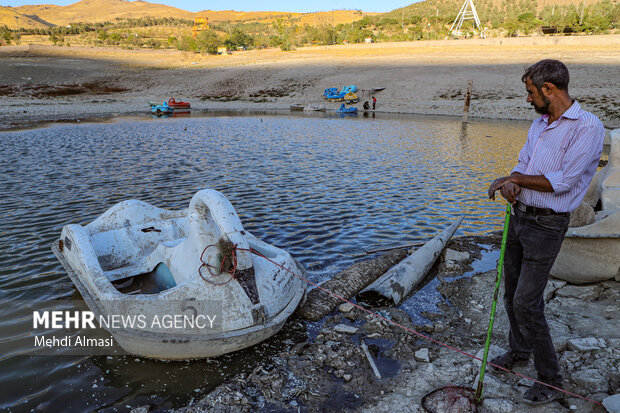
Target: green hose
{"type": "Point", "coordinates": [498, 280]}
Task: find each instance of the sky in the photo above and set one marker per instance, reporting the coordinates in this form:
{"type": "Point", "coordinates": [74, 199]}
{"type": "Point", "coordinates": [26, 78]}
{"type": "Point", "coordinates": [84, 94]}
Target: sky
{"type": "Point", "coordinates": [249, 5]}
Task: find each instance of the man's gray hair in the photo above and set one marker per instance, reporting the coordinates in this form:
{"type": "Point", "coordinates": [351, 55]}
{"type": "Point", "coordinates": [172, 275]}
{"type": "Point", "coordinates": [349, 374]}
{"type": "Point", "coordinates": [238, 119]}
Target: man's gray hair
{"type": "Point", "coordinates": [548, 70]}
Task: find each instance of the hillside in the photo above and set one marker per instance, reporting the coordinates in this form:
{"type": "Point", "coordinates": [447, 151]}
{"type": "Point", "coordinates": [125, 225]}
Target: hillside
{"type": "Point", "coordinates": [451, 7]}
{"type": "Point", "coordinates": [8, 17]}
{"type": "Point", "coordinates": [97, 11]}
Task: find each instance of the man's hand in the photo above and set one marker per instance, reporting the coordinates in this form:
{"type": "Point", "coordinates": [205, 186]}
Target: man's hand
{"type": "Point", "coordinates": [517, 181]}
{"type": "Point", "coordinates": [510, 191]}
{"type": "Point", "coordinates": [497, 184]}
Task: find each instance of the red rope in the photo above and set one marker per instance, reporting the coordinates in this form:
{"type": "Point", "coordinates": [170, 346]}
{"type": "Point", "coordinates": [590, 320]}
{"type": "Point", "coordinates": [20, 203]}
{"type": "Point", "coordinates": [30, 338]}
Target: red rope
{"type": "Point", "coordinates": [205, 264]}
{"type": "Point", "coordinates": [415, 332]}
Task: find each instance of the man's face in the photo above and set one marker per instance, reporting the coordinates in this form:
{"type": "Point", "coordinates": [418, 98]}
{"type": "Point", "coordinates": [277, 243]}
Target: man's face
{"type": "Point", "coordinates": [536, 98]}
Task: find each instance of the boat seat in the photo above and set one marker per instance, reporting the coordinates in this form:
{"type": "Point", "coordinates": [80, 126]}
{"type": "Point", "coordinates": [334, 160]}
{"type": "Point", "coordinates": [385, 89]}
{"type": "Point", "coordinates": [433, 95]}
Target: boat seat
{"type": "Point", "coordinates": [139, 268]}
{"type": "Point", "coordinates": [124, 272]}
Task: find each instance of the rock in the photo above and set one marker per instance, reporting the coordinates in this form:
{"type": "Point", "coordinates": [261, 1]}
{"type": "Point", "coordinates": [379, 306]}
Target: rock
{"type": "Point", "coordinates": [492, 387]}
{"type": "Point", "coordinates": [560, 333]}
{"type": "Point", "coordinates": [579, 316]}
{"type": "Point", "coordinates": [590, 381]}
{"type": "Point", "coordinates": [346, 307]}
{"type": "Point", "coordinates": [345, 329]}
{"type": "Point", "coordinates": [422, 355]}
{"type": "Point", "coordinates": [454, 258]}
{"type": "Point", "coordinates": [586, 344]}
{"type": "Point", "coordinates": [583, 215]}
{"type": "Point", "coordinates": [590, 292]}
{"type": "Point", "coordinates": [452, 255]}
{"type": "Point", "coordinates": [599, 397]}
{"type": "Point", "coordinates": [612, 403]}
{"type": "Point", "coordinates": [347, 377]}
{"type": "Point", "coordinates": [494, 351]}
{"type": "Point", "coordinates": [498, 405]}
{"type": "Point", "coordinates": [551, 288]}
{"type": "Point", "coordinates": [141, 409]}
{"type": "Point", "coordinates": [439, 327]}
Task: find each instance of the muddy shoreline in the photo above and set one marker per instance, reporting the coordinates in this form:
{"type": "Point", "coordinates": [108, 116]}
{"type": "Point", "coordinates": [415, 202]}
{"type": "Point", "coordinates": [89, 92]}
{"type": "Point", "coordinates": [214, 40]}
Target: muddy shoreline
{"type": "Point", "coordinates": [46, 83]}
{"type": "Point", "coordinates": [331, 371]}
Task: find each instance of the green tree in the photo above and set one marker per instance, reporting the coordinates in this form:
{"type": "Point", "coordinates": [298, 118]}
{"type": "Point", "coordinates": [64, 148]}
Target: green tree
{"type": "Point", "coordinates": [208, 42]}
{"type": "Point", "coordinates": [187, 43]}
{"type": "Point", "coordinates": [238, 38]}
{"type": "Point", "coordinates": [6, 34]}
{"type": "Point", "coordinates": [527, 22]}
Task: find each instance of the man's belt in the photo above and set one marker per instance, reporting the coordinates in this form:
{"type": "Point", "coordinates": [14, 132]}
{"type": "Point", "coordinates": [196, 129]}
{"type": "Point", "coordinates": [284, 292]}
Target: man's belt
{"type": "Point", "coordinates": [537, 211]}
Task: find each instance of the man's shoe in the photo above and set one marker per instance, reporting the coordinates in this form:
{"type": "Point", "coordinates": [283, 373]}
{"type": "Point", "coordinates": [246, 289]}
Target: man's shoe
{"type": "Point", "coordinates": [509, 360]}
{"type": "Point", "coordinates": [540, 394]}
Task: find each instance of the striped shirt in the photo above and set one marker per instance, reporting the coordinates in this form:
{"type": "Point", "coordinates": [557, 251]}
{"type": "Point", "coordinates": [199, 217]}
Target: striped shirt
{"type": "Point", "coordinates": [567, 153]}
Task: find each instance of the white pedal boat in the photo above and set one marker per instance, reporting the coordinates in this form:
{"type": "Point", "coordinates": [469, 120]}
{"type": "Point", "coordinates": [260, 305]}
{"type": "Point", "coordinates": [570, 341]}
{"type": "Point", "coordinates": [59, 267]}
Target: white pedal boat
{"type": "Point", "coordinates": [140, 259]}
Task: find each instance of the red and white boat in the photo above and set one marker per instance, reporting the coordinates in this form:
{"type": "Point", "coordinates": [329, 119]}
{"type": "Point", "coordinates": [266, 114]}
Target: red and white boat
{"type": "Point", "coordinates": [178, 105]}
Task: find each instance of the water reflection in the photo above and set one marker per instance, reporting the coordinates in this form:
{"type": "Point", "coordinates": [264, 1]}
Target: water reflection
{"type": "Point", "coordinates": [324, 188]}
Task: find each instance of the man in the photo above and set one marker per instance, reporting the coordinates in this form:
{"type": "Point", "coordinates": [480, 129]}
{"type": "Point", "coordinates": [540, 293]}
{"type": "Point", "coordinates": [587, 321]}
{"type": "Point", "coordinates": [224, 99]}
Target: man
{"type": "Point", "coordinates": [555, 168]}
{"type": "Point", "coordinates": [374, 103]}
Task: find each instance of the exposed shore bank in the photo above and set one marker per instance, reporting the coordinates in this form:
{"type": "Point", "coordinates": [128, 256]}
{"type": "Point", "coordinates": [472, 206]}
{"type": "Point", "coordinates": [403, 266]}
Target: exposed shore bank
{"type": "Point", "coordinates": [46, 83]}
{"type": "Point", "coordinates": [330, 370]}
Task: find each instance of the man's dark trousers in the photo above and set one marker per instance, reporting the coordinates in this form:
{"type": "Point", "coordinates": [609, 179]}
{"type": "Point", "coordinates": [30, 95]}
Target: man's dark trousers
{"type": "Point", "coordinates": [533, 243]}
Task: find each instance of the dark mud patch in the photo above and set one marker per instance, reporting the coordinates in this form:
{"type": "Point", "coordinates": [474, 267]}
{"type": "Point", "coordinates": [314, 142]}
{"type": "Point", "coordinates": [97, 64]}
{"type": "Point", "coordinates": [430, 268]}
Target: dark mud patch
{"type": "Point", "coordinates": [226, 90]}
{"type": "Point", "coordinates": [51, 91]}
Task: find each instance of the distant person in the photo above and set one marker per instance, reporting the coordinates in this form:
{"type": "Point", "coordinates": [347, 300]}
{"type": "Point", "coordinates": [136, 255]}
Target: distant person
{"type": "Point", "coordinates": [554, 170]}
{"type": "Point", "coordinates": [374, 103]}
{"type": "Point", "coordinates": [366, 105]}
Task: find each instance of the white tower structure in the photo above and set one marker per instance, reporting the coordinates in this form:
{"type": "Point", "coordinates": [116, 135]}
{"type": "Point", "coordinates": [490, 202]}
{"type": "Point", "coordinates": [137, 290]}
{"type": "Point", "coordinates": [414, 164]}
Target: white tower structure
{"type": "Point", "coordinates": [468, 12]}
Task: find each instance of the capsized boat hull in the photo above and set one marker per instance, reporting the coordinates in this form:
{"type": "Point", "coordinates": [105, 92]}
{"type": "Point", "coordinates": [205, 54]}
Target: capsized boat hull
{"type": "Point", "coordinates": [590, 253]}
{"type": "Point", "coordinates": [250, 307]}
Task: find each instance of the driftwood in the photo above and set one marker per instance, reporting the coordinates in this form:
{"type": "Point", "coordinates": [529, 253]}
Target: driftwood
{"type": "Point", "coordinates": [347, 283]}
{"type": "Point", "coordinates": [398, 282]}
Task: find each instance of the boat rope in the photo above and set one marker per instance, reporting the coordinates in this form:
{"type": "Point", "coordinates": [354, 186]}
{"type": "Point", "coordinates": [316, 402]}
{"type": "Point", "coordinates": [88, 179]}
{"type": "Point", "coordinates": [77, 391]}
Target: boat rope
{"type": "Point", "coordinates": [415, 332]}
{"type": "Point", "coordinates": [233, 258]}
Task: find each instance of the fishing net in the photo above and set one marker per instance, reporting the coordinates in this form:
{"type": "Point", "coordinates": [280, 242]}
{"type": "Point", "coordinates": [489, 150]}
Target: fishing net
{"type": "Point", "coordinates": [450, 399]}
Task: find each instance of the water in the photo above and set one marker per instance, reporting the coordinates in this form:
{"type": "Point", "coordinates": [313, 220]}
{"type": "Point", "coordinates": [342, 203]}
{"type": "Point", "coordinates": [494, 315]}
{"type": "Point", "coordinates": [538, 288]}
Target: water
{"type": "Point", "coordinates": [324, 188]}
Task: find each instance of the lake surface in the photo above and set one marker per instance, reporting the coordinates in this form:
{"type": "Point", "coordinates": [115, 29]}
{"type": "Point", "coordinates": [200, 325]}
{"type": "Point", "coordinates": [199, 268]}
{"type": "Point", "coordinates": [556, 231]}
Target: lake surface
{"type": "Point", "coordinates": [324, 188]}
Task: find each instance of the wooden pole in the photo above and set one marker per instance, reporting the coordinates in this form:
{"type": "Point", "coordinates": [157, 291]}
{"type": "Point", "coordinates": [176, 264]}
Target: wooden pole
{"type": "Point", "coordinates": [470, 85]}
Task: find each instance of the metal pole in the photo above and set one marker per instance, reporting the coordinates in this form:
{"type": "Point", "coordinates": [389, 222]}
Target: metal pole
{"type": "Point", "coordinates": [498, 279]}
{"type": "Point", "coordinates": [470, 85]}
